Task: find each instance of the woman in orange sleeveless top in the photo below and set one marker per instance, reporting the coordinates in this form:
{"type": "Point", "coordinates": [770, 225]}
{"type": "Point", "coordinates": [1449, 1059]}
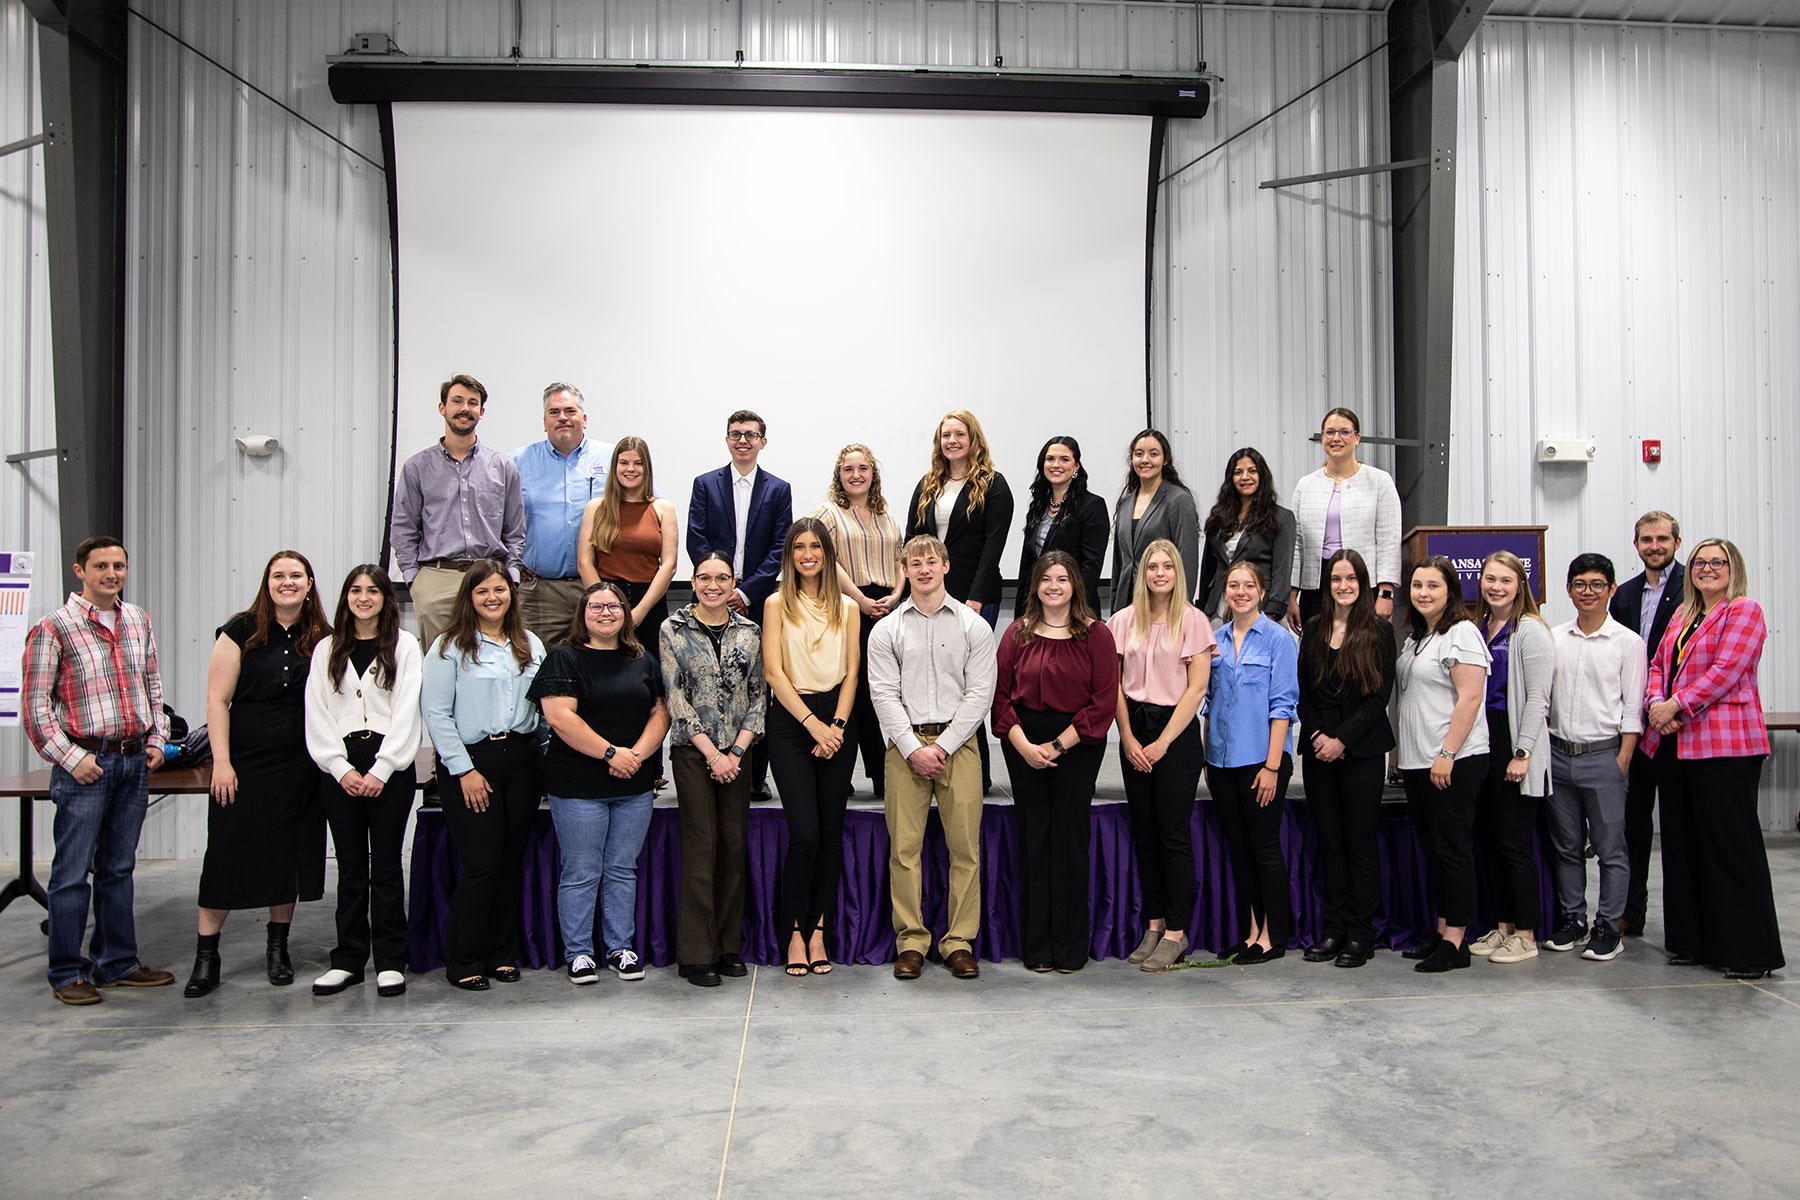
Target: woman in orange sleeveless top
{"type": "Point", "coordinates": [628, 535]}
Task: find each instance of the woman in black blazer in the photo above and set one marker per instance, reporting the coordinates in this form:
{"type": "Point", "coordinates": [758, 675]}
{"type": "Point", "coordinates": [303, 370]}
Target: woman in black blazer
{"type": "Point", "coordinates": [965, 503]}
{"type": "Point", "coordinates": [1246, 524]}
{"type": "Point", "coordinates": [1346, 677]}
{"type": "Point", "coordinates": [1154, 503]}
{"type": "Point", "coordinates": [1063, 515]}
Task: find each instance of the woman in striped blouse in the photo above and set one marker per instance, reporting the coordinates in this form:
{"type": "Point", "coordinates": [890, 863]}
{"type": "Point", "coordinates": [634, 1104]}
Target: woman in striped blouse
{"type": "Point", "coordinates": [867, 541]}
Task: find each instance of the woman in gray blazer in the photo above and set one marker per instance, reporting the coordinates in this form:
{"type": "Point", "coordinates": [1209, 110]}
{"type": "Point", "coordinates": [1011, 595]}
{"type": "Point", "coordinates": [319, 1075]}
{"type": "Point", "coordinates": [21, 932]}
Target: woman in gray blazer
{"type": "Point", "coordinates": [1246, 524]}
{"type": "Point", "coordinates": [1153, 504]}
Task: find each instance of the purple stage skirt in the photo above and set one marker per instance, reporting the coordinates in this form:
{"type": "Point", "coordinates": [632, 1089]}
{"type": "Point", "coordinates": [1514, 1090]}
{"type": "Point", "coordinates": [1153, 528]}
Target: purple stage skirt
{"type": "Point", "coordinates": [862, 929]}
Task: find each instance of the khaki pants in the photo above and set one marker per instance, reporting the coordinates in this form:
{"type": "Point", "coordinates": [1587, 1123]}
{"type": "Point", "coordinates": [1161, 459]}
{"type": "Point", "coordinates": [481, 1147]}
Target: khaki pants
{"type": "Point", "coordinates": [548, 606]}
{"type": "Point", "coordinates": [958, 792]}
{"type": "Point", "coordinates": [433, 595]}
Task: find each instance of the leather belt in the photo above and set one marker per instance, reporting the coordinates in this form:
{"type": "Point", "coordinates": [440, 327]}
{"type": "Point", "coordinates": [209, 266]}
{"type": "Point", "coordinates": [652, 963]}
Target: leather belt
{"type": "Point", "coordinates": [1575, 749]}
{"type": "Point", "coordinates": [110, 745]}
{"type": "Point", "coordinates": [451, 564]}
{"type": "Point", "coordinates": [501, 737]}
{"type": "Point", "coordinates": [931, 728]}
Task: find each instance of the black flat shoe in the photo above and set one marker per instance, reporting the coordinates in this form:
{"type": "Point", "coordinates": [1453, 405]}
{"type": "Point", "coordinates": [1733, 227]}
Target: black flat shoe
{"type": "Point", "coordinates": [732, 965]}
{"type": "Point", "coordinates": [1323, 950]}
{"type": "Point", "coordinates": [1684, 960]}
{"type": "Point", "coordinates": [1423, 950]}
{"type": "Point", "coordinates": [1354, 954]}
{"type": "Point", "coordinates": [1040, 968]}
{"type": "Point", "coordinates": [505, 974]}
{"type": "Point", "coordinates": [701, 975]}
{"type": "Point", "coordinates": [1253, 955]}
{"type": "Point", "coordinates": [1235, 950]}
{"type": "Point", "coordinates": [1444, 957]}
{"type": "Point", "coordinates": [475, 983]}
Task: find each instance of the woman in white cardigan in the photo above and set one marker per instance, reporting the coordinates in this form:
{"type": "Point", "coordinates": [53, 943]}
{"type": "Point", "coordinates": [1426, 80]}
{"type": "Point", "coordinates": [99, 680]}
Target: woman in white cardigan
{"type": "Point", "coordinates": [1344, 505]}
{"type": "Point", "coordinates": [362, 728]}
{"type": "Point", "coordinates": [1517, 709]}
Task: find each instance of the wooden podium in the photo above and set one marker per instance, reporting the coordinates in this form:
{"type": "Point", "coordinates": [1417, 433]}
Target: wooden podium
{"type": "Point", "coordinates": [1468, 545]}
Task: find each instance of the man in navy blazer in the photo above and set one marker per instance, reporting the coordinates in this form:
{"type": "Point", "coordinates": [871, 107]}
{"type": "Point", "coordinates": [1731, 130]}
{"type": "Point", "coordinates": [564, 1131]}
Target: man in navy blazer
{"type": "Point", "coordinates": [744, 512]}
{"type": "Point", "coordinates": [1643, 604]}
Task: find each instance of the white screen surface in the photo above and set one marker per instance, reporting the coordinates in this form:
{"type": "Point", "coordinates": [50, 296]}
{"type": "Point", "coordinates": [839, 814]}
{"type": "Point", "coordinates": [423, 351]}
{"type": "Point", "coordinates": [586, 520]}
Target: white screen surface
{"type": "Point", "coordinates": [848, 275]}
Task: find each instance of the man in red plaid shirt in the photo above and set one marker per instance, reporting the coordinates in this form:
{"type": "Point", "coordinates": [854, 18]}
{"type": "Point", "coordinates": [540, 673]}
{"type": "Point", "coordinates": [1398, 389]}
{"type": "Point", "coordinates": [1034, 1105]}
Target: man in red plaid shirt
{"type": "Point", "coordinates": [93, 709]}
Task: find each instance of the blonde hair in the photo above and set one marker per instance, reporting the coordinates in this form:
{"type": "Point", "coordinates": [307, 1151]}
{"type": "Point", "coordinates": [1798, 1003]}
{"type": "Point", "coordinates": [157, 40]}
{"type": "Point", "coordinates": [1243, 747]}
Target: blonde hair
{"type": "Point", "coordinates": [1736, 589]}
{"type": "Point", "coordinates": [828, 574]}
{"type": "Point", "coordinates": [1525, 605]}
{"type": "Point", "coordinates": [981, 465]}
{"type": "Point", "coordinates": [609, 516]}
{"type": "Point", "coordinates": [1140, 595]}
{"type": "Point", "coordinates": [836, 493]}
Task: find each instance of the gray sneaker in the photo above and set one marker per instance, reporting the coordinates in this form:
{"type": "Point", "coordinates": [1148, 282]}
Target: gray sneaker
{"type": "Point", "coordinates": [1516, 948]}
{"type": "Point", "coordinates": [1487, 943]}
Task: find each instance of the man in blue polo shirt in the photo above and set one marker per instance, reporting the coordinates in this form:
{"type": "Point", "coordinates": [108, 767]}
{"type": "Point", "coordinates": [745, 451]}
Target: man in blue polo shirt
{"type": "Point", "coordinates": [558, 475]}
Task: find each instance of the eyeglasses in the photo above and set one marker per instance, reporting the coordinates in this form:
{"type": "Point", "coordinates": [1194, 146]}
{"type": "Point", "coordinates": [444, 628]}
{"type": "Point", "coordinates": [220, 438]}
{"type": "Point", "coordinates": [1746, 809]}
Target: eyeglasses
{"type": "Point", "coordinates": [743, 435]}
{"type": "Point", "coordinates": [602, 610]}
{"type": "Point", "coordinates": [1338, 433]}
{"type": "Point", "coordinates": [1589, 587]}
{"type": "Point", "coordinates": [1710, 564]}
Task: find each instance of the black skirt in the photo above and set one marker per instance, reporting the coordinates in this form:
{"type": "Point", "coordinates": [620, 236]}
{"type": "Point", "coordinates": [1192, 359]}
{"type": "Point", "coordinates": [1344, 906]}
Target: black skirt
{"type": "Point", "coordinates": [267, 847]}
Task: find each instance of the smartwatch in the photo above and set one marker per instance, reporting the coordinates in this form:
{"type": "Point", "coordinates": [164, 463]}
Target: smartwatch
{"type": "Point", "coordinates": [736, 752]}
{"type": "Point", "coordinates": [837, 722]}
{"type": "Point", "coordinates": [1056, 745]}
{"type": "Point", "coordinates": [607, 757]}
{"type": "Point", "coordinates": [1385, 593]}
{"type": "Point", "coordinates": [1521, 752]}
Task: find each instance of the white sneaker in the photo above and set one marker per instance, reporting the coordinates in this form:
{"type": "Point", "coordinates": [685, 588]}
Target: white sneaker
{"type": "Point", "coordinates": [581, 970]}
{"type": "Point", "coordinates": [334, 981]}
{"type": "Point", "coordinates": [1487, 943]}
{"type": "Point", "coordinates": [390, 983]}
{"type": "Point", "coordinates": [1516, 948]}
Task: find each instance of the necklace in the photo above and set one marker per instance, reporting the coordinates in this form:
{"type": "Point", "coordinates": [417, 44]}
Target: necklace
{"type": "Point", "coordinates": [1048, 625]}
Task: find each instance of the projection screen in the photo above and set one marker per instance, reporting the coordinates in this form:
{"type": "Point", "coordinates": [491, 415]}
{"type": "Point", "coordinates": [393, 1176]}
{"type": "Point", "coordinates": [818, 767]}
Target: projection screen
{"type": "Point", "coordinates": [848, 275]}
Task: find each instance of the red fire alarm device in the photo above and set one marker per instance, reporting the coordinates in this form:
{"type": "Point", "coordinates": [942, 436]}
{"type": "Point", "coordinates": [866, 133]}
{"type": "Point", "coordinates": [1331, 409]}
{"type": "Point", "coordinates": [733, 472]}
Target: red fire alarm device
{"type": "Point", "coordinates": [1652, 450]}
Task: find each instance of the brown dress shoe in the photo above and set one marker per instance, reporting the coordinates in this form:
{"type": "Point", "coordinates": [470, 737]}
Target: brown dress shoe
{"type": "Point", "coordinates": [909, 964]}
{"type": "Point", "coordinates": [962, 964]}
{"type": "Point", "coordinates": [79, 992]}
{"type": "Point", "coordinates": [142, 977]}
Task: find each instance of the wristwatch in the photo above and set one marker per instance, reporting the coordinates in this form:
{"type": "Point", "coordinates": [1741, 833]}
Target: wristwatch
{"type": "Point", "coordinates": [1056, 745]}
{"type": "Point", "coordinates": [609, 753]}
{"type": "Point", "coordinates": [1521, 752]}
{"type": "Point", "coordinates": [736, 752]}
{"type": "Point", "coordinates": [1385, 593]}
{"type": "Point", "coordinates": [837, 722]}
{"type": "Point", "coordinates": [1446, 754]}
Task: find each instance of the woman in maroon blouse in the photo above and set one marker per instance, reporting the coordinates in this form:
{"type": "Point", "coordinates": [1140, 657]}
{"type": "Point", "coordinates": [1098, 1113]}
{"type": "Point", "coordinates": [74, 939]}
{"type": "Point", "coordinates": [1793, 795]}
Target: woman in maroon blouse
{"type": "Point", "coordinates": [1057, 689]}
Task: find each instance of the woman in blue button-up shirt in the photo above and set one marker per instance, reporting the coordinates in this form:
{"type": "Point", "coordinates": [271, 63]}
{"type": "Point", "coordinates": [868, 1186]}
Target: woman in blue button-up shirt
{"type": "Point", "coordinates": [476, 678]}
{"type": "Point", "coordinates": [1250, 700]}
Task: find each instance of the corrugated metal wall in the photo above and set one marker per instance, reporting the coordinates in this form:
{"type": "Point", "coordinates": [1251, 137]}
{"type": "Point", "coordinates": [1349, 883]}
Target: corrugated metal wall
{"type": "Point", "coordinates": [259, 287]}
{"type": "Point", "coordinates": [1628, 267]}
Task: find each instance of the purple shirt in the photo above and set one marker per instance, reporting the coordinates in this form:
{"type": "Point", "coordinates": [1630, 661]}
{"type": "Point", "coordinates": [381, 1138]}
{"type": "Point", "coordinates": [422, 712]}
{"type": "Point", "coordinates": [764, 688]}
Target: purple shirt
{"type": "Point", "coordinates": [1498, 647]}
{"type": "Point", "coordinates": [449, 509]}
{"type": "Point", "coordinates": [1334, 533]}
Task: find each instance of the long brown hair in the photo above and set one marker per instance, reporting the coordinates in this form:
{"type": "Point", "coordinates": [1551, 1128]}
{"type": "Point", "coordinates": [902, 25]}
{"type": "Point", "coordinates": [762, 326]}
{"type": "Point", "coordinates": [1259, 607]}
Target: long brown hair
{"type": "Point", "coordinates": [1264, 516]}
{"type": "Point", "coordinates": [343, 629]}
{"type": "Point", "coordinates": [580, 635]}
{"type": "Point", "coordinates": [1080, 614]}
{"type": "Point", "coordinates": [1454, 607]}
{"type": "Point", "coordinates": [610, 514]}
{"type": "Point", "coordinates": [828, 576]}
{"type": "Point", "coordinates": [1359, 658]}
{"type": "Point", "coordinates": [981, 466]}
{"type": "Point", "coordinates": [313, 625]}
{"type": "Point", "coordinates": [463, 630]}
{"type": "Point", "coordinates": [836, 493]}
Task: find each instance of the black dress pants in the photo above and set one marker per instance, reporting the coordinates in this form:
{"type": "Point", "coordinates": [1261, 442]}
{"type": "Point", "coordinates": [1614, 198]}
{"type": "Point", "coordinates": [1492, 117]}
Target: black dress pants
{"type": "Point", "coordinates": [813, 795]}
{"type": "Point", "coordinates": [1053, 807]}
{"type": "Point", "coordinates": [1640, 831]}
{"type": "Point", "coordinates": [1161, 805]}
{"type": "Point", "coordinates": [367, 833]}
{"type": "Point", "coordinates": [1506, 817]}
{"type": "Point", "coordinates": [1718, 904]}
{"type": "Point", "coordinates": [715, 822]}
{"type": "Point", "coordinates": [1445, 821]}
{"type": "Point", "coordinates": [1345, 798]}
{"type": "Point", "coordinates": [1259, 874]}
{"type": "Point", "coordinates": [484, 910]}
{"type": "Point", "coordinates": [869, 739]}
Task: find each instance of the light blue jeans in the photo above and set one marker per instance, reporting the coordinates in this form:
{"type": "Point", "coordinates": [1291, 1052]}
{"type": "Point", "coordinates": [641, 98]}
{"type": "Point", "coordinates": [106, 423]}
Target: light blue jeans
{"type": "Point", "coordinates": [599, 841]}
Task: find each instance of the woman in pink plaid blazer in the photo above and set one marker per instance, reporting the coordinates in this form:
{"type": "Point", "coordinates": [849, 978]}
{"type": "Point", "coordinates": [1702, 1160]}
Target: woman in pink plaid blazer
{"type": "Point", "coordinates": [1706, 734]}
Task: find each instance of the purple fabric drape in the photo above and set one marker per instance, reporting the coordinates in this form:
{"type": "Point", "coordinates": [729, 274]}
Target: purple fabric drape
{"type": "Point", "coordinates": [862, 929]}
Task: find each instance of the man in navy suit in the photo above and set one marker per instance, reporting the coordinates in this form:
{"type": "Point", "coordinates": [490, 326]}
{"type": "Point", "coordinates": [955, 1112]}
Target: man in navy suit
{"type": "Point", "coordinates": [744, 512]}
{"type": "Point", "coordinates": [1643, 604]}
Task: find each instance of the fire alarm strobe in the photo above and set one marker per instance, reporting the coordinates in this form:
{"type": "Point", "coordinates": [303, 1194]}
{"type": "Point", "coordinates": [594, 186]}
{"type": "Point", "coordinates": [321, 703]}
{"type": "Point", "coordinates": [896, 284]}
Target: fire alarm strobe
{"type": "Point", "coordinates": [1653, 450]}
{"type": "Point", "coordinates": [1551, 450]}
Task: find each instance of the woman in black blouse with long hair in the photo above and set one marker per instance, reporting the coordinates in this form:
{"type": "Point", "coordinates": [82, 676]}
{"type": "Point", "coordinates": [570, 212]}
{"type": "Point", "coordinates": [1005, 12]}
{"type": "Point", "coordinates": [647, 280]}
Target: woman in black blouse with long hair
{"type": "Point", "coordinates": [1247, 524]}
{"type": "Point", "coordinates": [1063, 515]}
{"type": "Point", "coordinates": [1346, 678]}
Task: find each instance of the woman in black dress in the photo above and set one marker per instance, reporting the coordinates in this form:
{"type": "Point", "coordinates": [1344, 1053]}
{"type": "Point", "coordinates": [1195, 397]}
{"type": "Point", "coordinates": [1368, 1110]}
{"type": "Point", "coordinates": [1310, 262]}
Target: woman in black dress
{"type": "Point", "coordinates": [265, 830]}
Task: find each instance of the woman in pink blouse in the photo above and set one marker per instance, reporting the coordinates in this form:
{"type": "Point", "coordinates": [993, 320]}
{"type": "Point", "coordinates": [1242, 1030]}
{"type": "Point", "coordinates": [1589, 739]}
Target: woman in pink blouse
{"type": "Point", "coordinates": [1054, 700]}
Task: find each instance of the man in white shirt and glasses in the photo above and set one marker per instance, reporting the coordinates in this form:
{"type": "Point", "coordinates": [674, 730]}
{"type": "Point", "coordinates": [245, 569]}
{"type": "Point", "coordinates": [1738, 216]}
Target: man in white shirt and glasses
{"type": "Point", "coordinates": [1596, 717]}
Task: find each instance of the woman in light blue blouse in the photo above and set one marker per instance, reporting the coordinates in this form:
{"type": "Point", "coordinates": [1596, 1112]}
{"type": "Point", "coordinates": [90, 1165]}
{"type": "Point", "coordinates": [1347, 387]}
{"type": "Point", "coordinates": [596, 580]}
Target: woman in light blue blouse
{"type": "Point", "coordinates": [476, 678]}
{"type": "Point", "coordinates": [1251, 698]}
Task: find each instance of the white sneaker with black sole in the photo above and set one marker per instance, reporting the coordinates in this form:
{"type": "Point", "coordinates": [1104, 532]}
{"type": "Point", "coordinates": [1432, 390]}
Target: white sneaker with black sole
{"type": "Point", "coordinates": [582, 970]}
{"type": "Point", "coordinates": [625, 964]}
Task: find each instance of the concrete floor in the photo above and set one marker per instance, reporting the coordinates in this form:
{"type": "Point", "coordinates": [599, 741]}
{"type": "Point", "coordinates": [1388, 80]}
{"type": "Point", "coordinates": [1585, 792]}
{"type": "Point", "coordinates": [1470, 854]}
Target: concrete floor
{"type": "Point", "coordinates": [1556, 1077]}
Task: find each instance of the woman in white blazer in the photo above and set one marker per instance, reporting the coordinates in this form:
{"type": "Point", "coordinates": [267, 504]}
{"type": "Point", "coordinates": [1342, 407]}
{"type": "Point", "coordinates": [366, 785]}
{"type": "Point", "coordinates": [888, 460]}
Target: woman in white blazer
{"type": "Point", "coordinates": [362, 728]}
{"type": "Point", "coordinates": [1344, 505]}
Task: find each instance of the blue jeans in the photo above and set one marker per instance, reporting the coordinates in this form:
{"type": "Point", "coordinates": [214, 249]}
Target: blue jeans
{"type": "Point", "coordinates": [599, 841]}
{"type": "Point", "coordinates": [96, 829]}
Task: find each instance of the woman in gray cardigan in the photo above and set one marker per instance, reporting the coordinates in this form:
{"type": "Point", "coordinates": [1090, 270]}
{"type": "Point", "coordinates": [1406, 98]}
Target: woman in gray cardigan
{"type": "Point", "coordinates": [1153, 504]}
{"type": "Point", "coordinates": [1517, 709]}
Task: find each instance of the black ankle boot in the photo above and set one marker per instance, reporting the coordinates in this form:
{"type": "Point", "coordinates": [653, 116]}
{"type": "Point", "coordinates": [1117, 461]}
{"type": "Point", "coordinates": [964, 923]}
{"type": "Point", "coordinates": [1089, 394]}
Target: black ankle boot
{"type": "Point", "coordinates": [206, 967]}
{"type": "Point", "coordinates": [281, 970]}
